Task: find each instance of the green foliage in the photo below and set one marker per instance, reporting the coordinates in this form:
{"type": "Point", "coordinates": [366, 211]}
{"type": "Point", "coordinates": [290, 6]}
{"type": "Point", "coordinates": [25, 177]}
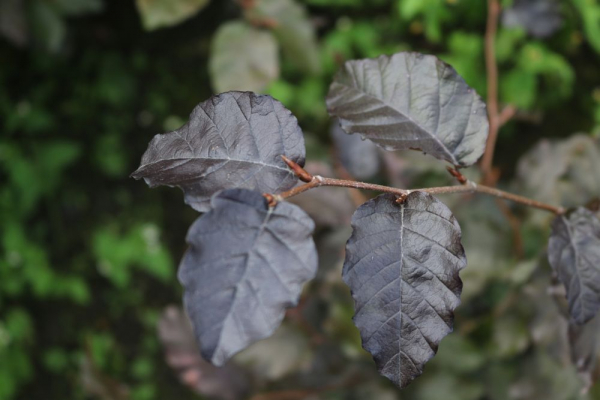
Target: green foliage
{"type": "Point", "coordinates": [87, 256]}
{"type": "Point", "coordinates": [162, 13]}
{"type": "Point", "coordinates": [140, 247]}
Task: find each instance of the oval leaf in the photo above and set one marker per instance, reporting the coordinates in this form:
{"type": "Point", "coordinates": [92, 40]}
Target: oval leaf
{"type": "Point", "coordinates": [402, 264]}
{"type": "Point", "coordinates": [574, 254]}
{"type": "Point", "coordinates": [234, 139]}
{"type": "Point", "coordinates": [243, 57]}
{"type": "Point", "coordinates": [246, 263]}
{"type": "Point", "coordinates": [411, 101]}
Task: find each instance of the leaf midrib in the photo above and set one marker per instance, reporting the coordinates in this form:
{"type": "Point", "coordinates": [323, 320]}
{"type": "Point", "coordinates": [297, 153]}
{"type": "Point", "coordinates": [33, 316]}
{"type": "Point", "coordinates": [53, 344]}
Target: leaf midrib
{"type": "Point", "coordinates": [453, 159]}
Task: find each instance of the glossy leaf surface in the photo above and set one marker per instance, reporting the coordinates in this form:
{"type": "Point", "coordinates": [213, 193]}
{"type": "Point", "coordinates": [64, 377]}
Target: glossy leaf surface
{"type": "Point", "coordinates": [233, 139]}
{"type": "Point", "coordinates": [411, 101]}
{"type": "Point", "coordinates": [574, 254]}
{"type": "Point", "coordinates": [246, 264]}
{"type": "Point", "coordinates": [402, 265]}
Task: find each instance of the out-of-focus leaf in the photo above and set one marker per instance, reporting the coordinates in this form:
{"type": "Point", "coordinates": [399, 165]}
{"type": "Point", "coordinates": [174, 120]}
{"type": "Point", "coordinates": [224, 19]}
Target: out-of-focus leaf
{"type": "Point", "coordinates": [162, 13]}
{"type": "Point", "coordinates": [471, 357]}
{"type": "Point", "coordinates": [99, 385]}
{"type": "Point", "coordinates": [13, 22]}
{"type": "Point", "coordinates": [234, 139]}
{"type": "Point", "coordinates": [574, 254]}
{"type": "Point", "coordinates": [293, 29]}
{"type": "Point", "coordinates": [140, 247]}
{"type": "Point", "coordinates": [590, 13]}
{"type": "Point", "coordinates": [510, 336]}
{"type": "Point", "coordinates": [543, 377]}
{"type": "Point", "coordinates": [47, 26]}
{"type": "Point", "coordinates": [243, 58]}
{"type": "Point", "coordinates": [584, 340]}
{"type": "Point", "coordinates": [328, 206]}
{"type": "Point", "coordinates": [519, 88]}
{"type": "Point", "coordinates": [402, 264]}
{"type": "Point", "coordinates": [434, 13]}
{"type": "Point", "coordinates": [78, 7]}
{"type": "Point", "coordinates": [284, 352]}
{"type": "Point", "coordinates": [540, 18]}
{"type": "Point", "coordinates": [466, 52]}
{"type": "Point", "coordinates": [486, 237]}
{"type": "Point", "coordinates": [411, 101]}
{"type": "Point", "coordinates": [181, 352]}
{"type": "Point", "coordinates": [551, 67]}
{"type": "Point", "coordinates": [563, 172]}
{"type": "Point", "coordinates": [246, 263]}
{"type": "Point", "coordinates": [358, 156]}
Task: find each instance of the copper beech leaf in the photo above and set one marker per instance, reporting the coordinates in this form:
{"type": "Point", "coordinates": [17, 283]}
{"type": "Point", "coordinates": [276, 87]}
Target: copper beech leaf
{"type": "Point", "coordinates": [402, 265]}
{"type": "Point", "coordinates": [246, 264]}
{"type": "Point", "coordinates": [574, 254]}
{"type": "Point", "coordinates": [411, 101]}
{"type": "Point", "coordinates": [234, 139]}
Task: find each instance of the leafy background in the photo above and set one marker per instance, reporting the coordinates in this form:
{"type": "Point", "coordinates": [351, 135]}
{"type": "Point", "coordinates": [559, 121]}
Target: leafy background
{"type": "Point", "coordinates": [88, 256]}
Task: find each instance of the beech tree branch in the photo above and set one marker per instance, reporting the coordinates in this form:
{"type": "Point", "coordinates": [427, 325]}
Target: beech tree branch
{"type": "Point", "coordinates": [492, 85]}
{"type": "Point", "coordinates": [466, 187]}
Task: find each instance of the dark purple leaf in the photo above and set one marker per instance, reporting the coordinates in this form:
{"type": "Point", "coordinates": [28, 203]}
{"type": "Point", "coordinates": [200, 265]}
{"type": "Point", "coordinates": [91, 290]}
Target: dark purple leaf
{"type": "Point", "coordinates": [360, 157]}
{"type": "Point", "coordinates": [402, 264]}
{"type": "Point", "coordinates": [540, 18]}
{"type": "Point", "coordinates": [574, 254]}
{"type": "Point", "coordinates": [246, 264]}
{"type": "Point", "coordinates": [234, 139]}
{"type": "Point", "coordinates": [181, 352]}
{"type": "Point", "coordinates": [411, 101]}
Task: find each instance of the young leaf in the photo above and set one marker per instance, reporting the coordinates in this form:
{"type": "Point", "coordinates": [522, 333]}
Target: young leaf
{"type": "Point", "coordinates": [233, 139]}
{"type": "Point", "coordinates": [246, 263]}
{"type": "Point", "coordinates": [411, 101]}
{"type": "Point", "coordinates": [574, 254]}
{"type": "Point", "coordinates": [402, 264]}
{"type": "Point", "coordinates": [243, 57]}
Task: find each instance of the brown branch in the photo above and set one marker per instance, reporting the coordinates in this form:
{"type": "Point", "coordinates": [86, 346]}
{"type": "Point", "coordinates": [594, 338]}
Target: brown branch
{"type": "Point", "coordinates": [468, 187]}
{"type": "Point", "coordinates": [492, 86]}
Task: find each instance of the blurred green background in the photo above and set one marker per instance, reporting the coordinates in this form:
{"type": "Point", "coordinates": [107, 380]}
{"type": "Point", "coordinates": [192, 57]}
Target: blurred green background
{"type": "Point", "coordinates": [88, 256]}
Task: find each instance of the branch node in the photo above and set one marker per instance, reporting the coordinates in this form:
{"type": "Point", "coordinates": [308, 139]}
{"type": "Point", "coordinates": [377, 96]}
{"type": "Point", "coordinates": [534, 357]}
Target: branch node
{"type": "Point", "coordinates": [319, 178]}
{"type": "Point", "coordinates": [401, 198]}
{"type": "Point", "coordinates": [271, 200]}
{"type": "Point", "coordinates": [300, 172]}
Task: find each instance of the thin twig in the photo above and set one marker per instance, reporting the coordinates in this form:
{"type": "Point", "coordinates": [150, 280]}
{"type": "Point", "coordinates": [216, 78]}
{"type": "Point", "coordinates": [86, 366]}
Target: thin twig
{"type": "Point", "coordinates": [468, 187]}
{"type": "Point", "coordinates": [492, 85]}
